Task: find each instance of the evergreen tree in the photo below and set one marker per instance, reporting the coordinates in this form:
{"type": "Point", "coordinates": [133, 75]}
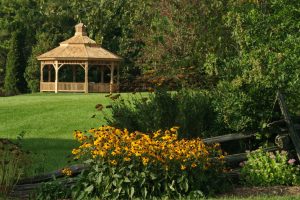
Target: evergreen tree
{"type": "Point", "coordinates": [32, 72]}
{"type": "Point", "coordinates": [14, 66]}
{"type": "Point", "coordinates": [2, 69]}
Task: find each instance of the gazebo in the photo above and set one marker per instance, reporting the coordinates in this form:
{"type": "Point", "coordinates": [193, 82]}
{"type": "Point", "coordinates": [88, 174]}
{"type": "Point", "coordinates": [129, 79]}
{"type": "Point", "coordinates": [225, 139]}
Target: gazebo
{"type": "Point", "coordinates": [79, 52]}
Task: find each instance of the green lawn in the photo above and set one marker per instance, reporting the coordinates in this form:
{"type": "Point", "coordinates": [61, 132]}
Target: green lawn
{"type": "Point", "coordinates": [48, 121]}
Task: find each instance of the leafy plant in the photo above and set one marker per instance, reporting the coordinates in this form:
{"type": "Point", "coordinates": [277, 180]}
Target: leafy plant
{"type": "Point", "coordinates": [13, 162]}
{"type": "Point", "coordinates": [56, 189]}
{"type": "Point", "coordinates": [267, 168]}
{"type": "Point", "coordinates": [124, 165]}
{"type": "Point", "coordinates": [190, 110]}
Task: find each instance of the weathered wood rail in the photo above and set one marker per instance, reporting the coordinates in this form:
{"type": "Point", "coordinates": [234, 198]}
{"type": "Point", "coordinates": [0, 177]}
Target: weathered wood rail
{"type": "Point", "coordinates": [228, 137]}
{"type": "Point", "coordinates": [284, 141]}
{"type": "Point", "coordinates": [292, 133]}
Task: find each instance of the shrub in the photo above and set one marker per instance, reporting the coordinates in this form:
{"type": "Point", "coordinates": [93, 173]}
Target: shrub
{"type": "Point", "coordinates": [136, 165]}
{"type": "Point", "coordinates": [267, 168]}
{"type": "Point", "coordinates": [13, 162]}
{"type": "Point", "coordinates": [56, 189]}
{"type": "Point", "coordinates": [190, 110]}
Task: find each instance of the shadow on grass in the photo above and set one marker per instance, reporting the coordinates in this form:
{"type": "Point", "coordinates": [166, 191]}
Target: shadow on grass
{"type": "Point", "coordinates": [47, 154]}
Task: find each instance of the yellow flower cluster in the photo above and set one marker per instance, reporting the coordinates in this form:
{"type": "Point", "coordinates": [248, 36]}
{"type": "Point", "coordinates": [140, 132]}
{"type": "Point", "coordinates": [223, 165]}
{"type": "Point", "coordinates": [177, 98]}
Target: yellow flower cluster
{"type": "Point", "coordinates": [160, 147]}
{"type": "Point", "coordinates": [66, 171]}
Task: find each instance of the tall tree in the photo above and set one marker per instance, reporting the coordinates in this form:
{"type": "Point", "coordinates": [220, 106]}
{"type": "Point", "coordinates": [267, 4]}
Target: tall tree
{"type": "Point", "coordinates": [266, 59]}
{"type": "Point", "coordinates": [13, 74]}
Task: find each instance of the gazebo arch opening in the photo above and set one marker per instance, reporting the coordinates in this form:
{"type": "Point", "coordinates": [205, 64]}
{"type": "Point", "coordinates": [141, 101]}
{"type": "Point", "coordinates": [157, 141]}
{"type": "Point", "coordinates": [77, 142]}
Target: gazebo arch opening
{"type": "Point", "coordinates": [100, 67]}
{"type": "Point", "coordinates": [71, 73]}
{"type": "Point", "coordinates": [99, 74]}
{"type": "Point", "coordinates": [48, 73]}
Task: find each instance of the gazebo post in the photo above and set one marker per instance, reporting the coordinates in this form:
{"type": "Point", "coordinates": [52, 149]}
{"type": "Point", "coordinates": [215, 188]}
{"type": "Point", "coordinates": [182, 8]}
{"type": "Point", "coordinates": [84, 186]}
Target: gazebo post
{"type": "Point", "coordinates": [56, 76]}
{"type": "Point", "coordinates": [102, 74]}
{"type": "Point", "coordinates": [111, 77]}
{"type": "Point", "coordinates": [118, 75]}
{"type": "Point", "coordinates": [86, 77]}
{"type": "Point", "coordinates": [42, 77]}
{"type": "Point", "coordinates": [49, 73]}
{"type": "Point", "coordinates": [74, 73]}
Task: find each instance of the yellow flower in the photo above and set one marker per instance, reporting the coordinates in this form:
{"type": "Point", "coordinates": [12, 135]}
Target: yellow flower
{"type": "Point", "coordinates": [66, 171]}
{"type": "Point", "coordinates": [182, 167]}
{"type": "Point", "coordinates": [86, 145]}
{"type": "Point", "coordinates": [76, 151]}
{"type": "Point", "coordinates": [174, 128]}
{"type": "Point", "coordinates": [127, 159]}
{"type": "Point", "coordinates": [194, 165]}
{"type": "Point", "coordinates": [113, 162]}
{"type": "Point", "coordinates": [159, 147]}
{"type": "Point", "coordinates": [137, 154]}
{"type": "Point", "coordinates": [145, 160]}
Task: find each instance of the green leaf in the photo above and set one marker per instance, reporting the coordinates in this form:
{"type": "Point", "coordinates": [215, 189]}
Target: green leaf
{"type": "Point", "coordinates": [144, 192]}
{"type": "Point", "coordinates": [117, 176]}
{"type": "Point", "coordinates": [126, 180]}
{"type": "Point", "coordinates": [153, 176]}
{"type": "Point", "coordinates": [99, 178]}
{"type": "Point", "coordinates": [131, 192]}
{"type": "Point", "coordinates": [89, 189]}
{"type": "Point", "coordinates": [171, 186]}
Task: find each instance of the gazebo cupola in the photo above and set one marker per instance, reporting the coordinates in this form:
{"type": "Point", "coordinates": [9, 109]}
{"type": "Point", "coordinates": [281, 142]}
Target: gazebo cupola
{"type": "Point", "coordinates": [79, 65]}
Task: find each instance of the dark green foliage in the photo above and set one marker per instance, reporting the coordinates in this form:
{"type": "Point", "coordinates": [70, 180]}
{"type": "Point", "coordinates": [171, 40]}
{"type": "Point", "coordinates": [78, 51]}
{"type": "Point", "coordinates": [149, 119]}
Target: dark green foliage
{"type": "Point", "coordinates": [190, 110]}
{"type": "Point", "coordinates": [195, 116]}
{"type": "Point", "coordinates": [2, 69]}
{"type": "Point", "coordinates": [266, 37]}
{"type": "Point", "coordinates": [243, 51]}
{"type": "Point", "coordinates": [14, 66]}
{"type": "Point", "coordinates": [56, 189]}
{"type": "Point", "coordinates": [132, 182]}
{"type": "Point", "coordinates": [32, 72]}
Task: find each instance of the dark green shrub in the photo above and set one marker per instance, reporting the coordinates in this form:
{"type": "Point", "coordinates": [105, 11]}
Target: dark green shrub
{"type": "Point", "coordinates": [13, 66]}
{"type": "Point", "coordinates": [56, 189]}
{"type": "Point", "coordinates": [195, 113]}
{"type": "Point", "coordinates": [190, 110]}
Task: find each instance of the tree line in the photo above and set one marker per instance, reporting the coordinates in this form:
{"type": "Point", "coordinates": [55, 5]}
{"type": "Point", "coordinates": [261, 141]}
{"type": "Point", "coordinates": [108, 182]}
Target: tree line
{"type": "Point", "coordinates": [243, 50]}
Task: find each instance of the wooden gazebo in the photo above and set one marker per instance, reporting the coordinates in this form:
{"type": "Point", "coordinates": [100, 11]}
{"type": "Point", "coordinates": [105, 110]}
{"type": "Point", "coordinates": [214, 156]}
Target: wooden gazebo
{"type": "Point", "coordinates": [79, 52]}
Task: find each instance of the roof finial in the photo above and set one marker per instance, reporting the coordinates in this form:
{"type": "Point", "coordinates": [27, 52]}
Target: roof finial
{"type": "Point", "coordinates": [80, 29]}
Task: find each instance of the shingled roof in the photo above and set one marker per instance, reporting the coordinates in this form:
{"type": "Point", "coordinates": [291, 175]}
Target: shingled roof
{"type": "Point", "coordinates": [79, 47]}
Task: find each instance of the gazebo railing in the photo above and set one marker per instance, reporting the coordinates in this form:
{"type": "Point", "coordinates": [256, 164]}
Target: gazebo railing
{"type": "Point", "coordinates": [102, 87]}
{"type": "Point", "coordinates": [70, 87]}
{"type": "Point", "coordinates": [78, 87]}
{"type": "Point", "coordinates": [47, 86]}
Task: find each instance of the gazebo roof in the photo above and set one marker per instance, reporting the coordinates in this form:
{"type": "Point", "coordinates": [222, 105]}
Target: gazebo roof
{"type": "Point", "coordinates": [79, 47]}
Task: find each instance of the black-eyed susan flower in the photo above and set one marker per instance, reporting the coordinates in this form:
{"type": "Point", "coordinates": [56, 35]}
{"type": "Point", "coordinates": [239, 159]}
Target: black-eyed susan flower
{"type": "Point", "coordinates": [66, 171]}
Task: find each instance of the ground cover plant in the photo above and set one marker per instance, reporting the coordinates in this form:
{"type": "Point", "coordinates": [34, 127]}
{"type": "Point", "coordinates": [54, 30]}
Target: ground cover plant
{"type": "Point", "coordinates": [47, 120]}
{"type": "Point", "coordinates": [268, 168]}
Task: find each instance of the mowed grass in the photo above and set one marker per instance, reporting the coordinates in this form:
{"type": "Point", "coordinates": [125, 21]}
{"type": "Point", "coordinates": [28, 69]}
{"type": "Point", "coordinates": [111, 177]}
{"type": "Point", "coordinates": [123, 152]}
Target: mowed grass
{"type": "Point", "coordinates": [48, 121]}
